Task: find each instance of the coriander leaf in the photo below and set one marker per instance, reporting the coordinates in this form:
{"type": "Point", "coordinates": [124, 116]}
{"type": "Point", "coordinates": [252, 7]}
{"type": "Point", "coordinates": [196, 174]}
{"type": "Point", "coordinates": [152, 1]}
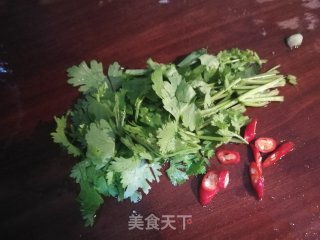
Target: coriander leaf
{"type": "Point", "coordinates": [167, 137]}
{"type": "Point", "coordinates": [157, 79]}
{"type": "Point", "coordinates": [139, 177]}
{"type": "Point", "coordinates": [156, 167]}
{"type": "Point", "coordinates": [192, 57]}
{"type": "Point", "coordinates": [194, 73]}
{"type": "Point", "coordinates": [121, 164]}
{"type": "Point", "coordinates": [78, 171]}
{"type": "Point", "coordinates": [60, 137]}
{"type": "Point", "coordinates": [98, 110]}
{"type": "Point", "coordinates": [184, 92]}
{"type": "Point", "coordinates": [173, 75]}
{"type": "Point", "coordinates": [166, 91]}
{"type": "Point", "coordinates": [79, 114]}
{"type": "Point", "coordinates": [135, 175]}
{"type": "Point", "coordinates": [205, 89]}
{"type": "Point", "coordinates": [137, 87]}
{"type": "Point", "coordinates": [176, 174]}
{"type": "Point", "coordinates": [152, 64]}
{"type": "Point", "coordinates": [172, 106]}
{"type": "Point", "coordinates": [175, 93]}
{"type": "Point", "coordinates": [101, 143]}
{"type": "Point", "coordinates": [150, 117]}
{"type": "Point", "coordinates": [210, 61]}
{"type": "Point", "coordinates": [191, 117]}
{"type": "Point", "coordinates": [196, 167]}
{"type": "Point", "coordinates": [136, 149]}
{"type": "Point", "coordinates": [135, 197]}
{"type": "Point", "coordinates": [115, 76]}
{"type": "Point", "coordinates": [102, 186]}
{"type": "Point", "coordinates": [193, 164]}
{"type": "Point", "coordinates": [219, 120]}
{"type": "Point", "coordinates": [237, 120]}
{"type": "Point", "coordinates": [90, 201]}
{"type": "Point", "coordinates": [142, 135]}
{"type": "Point", "coordinates": [86, 77]}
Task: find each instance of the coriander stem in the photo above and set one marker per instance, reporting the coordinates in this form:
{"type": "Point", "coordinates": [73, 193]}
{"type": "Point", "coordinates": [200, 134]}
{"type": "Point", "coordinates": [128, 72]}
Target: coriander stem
{"type": "Point", "coordinates": [275, 83]}
{"type": "Point", "coordinates": [245, 87]}
{"type": "Point", "coordinates": [226, 105]}
{"type": "Point", "coordinates": [239, 107]}
{"type": "Point", "coordinates": [217, 96]}
{"type": "Point", "coordinates": [271, 93]}
{"type": "Point", "coordinates": [260, 76]}
{"type": "Point", "coordinates": [265, 99]}
{"type": "Point", "coordinates": [185, 151]}
{"type": "Point", "coordinates": [240, 138]}
{"type": "Point", "coordinates": [259, 81]}
{"type": "Point", "coordinates": [210, 138]}
{"type": "Point", "coordinates": [221, 106]}
{"type": "Point", "coordinates": [137, 107]}
{"type": "Point", "coordinates": [232, 61]}
{"type": "Point", "coordinates": [235, 140]}
{"type": "Point", "coordinates": [256, 104]}
{"type": "Point", "coordinates": [274, 68]}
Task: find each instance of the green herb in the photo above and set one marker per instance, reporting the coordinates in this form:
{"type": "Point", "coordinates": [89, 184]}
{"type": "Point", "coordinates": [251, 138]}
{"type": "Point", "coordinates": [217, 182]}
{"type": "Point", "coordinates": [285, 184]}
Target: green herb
{"type": "Point", "coordinates": [130, 122]}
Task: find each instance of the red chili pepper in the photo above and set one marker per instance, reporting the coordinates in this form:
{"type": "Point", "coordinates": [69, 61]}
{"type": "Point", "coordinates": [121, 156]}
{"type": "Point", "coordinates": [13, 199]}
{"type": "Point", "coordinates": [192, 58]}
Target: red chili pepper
{"type": "Point", "coordinates": [257, 179]}
{"type": "Point", "coordinates": [250, 130]}
{"type": "Point", "coordinates": [281, 151]}
{"type": "Point", "coordinates": [224, 179]}
{"type": "Point", "coordinates": [265, 145]}
{"type": "Point", "coordinates": [209, 187]}
{"type": "Point", "coordinates": [228, 156]}
{"type": "Point", "coordinates": [256, 154]}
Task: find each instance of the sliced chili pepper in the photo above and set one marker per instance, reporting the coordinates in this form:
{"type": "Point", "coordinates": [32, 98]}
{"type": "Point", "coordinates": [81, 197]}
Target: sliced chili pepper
{"type": "Point", "coordinates": [209, 187]}
{"type": "Point", "coordinates": [224, 179]}
{"type": "Point", "coordinates": [265, 145]}
{"type": "Point", "coordinates": [250, 130]}
{"type": "Point", "coordinates": [281, 151]}
{"type": "Point", "coordinates": [228, 156]}
{"type": "Point", "coordinates": [256, 154]}
{"type": "Point", "coordinates": [257, 179]}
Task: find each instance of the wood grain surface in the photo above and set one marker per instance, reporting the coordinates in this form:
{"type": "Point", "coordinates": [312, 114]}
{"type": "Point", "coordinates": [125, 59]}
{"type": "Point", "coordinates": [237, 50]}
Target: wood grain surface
{"type": "Point", "coordinates": [41, 38]}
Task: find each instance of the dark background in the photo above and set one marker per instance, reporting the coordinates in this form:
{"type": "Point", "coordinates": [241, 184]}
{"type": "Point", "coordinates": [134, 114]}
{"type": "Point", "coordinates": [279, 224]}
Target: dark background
{"type": "Point", "coordinates": [40, 39]}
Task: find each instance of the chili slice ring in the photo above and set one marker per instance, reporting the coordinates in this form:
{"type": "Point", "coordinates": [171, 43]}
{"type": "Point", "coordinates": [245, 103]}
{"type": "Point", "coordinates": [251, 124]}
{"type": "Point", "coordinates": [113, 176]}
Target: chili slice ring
{"type": "Point", "coordinates": [265, 145]}
{"type": "Point", "coordinates": [228, 156]}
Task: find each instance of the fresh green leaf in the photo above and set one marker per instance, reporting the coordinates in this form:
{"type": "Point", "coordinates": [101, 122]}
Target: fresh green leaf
{"type": "Point", "coordinates": [101, 143]}
{"type": "Point", "coordinates": [90, 201]}
{"type": "Point", "coordinates": [59, 136]}
{"type": "Point", "coordinates": [191, 117]}
{"type": "Point", "coordinates": [176, 174]}
{"type": "Point", "coordinates": [197, 167]}
{"type": "Point", "coordinates": [210, 61]}
{"type": "Point", "coordinates": [135, 175]}
{"type": "Point", "coordinates": [86, 77]}
{"type": "Point", "coordinates": [167, 137]}
{"type": "Point", "coordinates": [115, 76]}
